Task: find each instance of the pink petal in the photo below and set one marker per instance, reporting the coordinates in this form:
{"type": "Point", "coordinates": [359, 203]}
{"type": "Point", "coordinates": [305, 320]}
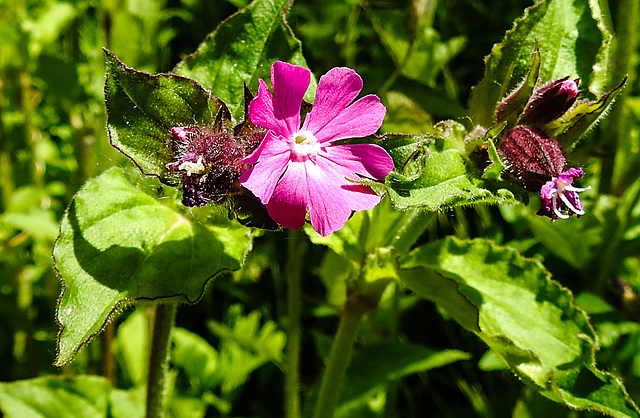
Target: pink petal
{"type": "Point", "coordinates": [336, 90]}
{"type": "Point", "coordinates": [288, 204]}
{"type": "Point", "coordinates": [255, 155]}
{"type": "Point", "coordinates": [262, 113]}
{"type": "Point", "coordinates": [263, 177]}
{"type": "Point", "coordinates": [289, 84]}
{"type": "Point", "coordinates": [352, 195]}
{"type": "Point", "coordinates": [332, 197]}
{"type": "Point", "coordinates": [361, 119]}
{"type": "Point", "coordinates": [365, 159]}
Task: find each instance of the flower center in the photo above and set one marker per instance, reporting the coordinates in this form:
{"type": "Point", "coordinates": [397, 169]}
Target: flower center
{"type": "Point", "coordinates": [305, 144]}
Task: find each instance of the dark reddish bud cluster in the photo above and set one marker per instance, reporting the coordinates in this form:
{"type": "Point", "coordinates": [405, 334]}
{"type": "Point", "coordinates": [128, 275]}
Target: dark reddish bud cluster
{"type": "Point", "coordinates": [539, 161]}
{"type": "Point", "coordinates": [210, 161]}
{"type": "Point", "coordinates": [535, 158]}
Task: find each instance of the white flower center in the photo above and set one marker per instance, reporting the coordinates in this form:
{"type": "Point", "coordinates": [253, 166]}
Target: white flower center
{"type": "Point", "coordinates": [305, 144]}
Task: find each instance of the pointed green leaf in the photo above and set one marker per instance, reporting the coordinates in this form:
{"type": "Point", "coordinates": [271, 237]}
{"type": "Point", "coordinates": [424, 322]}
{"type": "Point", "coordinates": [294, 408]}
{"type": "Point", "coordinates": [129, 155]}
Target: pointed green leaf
{"type": "Point", "coordinates": [392, 361]}
{"type": "Point", "coordinates": [245, 346]}
{"type": "Point", "coordinates": [578, 120]}
{"type": "Point", "coordinates": [55, 396]}
{"type": "Point", "coordinates": [241, 50]}
{"type": "Point", "coordinates": [195, 356]}
{"type": "Point", "coordinates": [142, 109]}
{"type": "Point", "coordinates": [525, 317]}
{"type": "Point", "coordinates": [512, 106]}
{"type": "Point", "coordinates": [117, 244]}
{"type": "Point", "coordinates": [573, 42]}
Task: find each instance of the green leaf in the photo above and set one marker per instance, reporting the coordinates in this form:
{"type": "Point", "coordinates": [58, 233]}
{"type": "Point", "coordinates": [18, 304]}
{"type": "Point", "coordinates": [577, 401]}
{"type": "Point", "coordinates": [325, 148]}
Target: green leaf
{"type": "Point", "coordinates": [573, 42]}
{"type": "Point", "coordinates": [437, 175]}
{"type": "Point", "coordinates": [195, 356]}
{"type": "Point", "coordinates": [526, 318]}
{"type": "Point", "coordinates": [117, 244]}
{"type": "Point", "coordinates": [55, 396]}
{"type": "Point", "coordinates": [393, 361]}
{"type": "Point", "coordinates": [128, 403]}
{"type": "Point", "coordinates": [241, 50]}
{"type": "Point", "coordinates": [245, 346]}
{"type": "Point", "coordinates": [132, 346]}
{"type": "Point", "coordinates": [142, 109]}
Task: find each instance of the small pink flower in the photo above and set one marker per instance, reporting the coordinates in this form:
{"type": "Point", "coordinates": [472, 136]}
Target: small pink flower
{"type": "Point", "coordinates": [558, 194]}
{"type": "Point", "coordinates": [300, 168]}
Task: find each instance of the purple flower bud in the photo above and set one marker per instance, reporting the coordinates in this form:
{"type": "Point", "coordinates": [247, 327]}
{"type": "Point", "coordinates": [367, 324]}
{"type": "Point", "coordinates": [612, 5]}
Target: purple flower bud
{"type": "Point", "coordinates": [539, 161]}
{"type": "Point", "coordinates": [550, 101]}
{"type": "Point", "coordinates": [210, 161]}
{"type": "Point", "coordinates": [531, 155]}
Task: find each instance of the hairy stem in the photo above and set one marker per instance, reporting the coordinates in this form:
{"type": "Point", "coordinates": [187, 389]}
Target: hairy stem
{"type": "Point", "coordinates": [338, 360]}
{"type": "Point", "coordinates": [163, 318]}
{"type": "Point", "coordinates": [296, 248]}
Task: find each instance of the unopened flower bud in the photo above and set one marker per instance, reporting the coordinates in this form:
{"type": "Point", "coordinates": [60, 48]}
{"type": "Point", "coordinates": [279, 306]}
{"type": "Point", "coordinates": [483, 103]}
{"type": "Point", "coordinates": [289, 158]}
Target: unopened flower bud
{"type": "Point", "coordinates": [531, 155]}
{"type": "Point", "coordinates": [539, 162]}
{"type": "Point", "coordinates": [550, 101]}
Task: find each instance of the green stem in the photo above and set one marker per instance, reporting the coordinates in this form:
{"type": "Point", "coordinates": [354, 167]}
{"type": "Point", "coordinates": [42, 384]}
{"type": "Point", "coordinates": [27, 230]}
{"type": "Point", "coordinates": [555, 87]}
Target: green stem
{"type": "Point", "coordinates": [338, 360]}
{"type": "Point", "coordinates": [157, 376]}
{"type": "Point", "coordinates": [627, 42]}
{"type": "Point", "coordinates": [293, 271]}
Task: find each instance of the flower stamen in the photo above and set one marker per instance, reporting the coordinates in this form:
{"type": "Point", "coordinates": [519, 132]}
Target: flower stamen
{"type": "Point", "coordinates": [305, 144]}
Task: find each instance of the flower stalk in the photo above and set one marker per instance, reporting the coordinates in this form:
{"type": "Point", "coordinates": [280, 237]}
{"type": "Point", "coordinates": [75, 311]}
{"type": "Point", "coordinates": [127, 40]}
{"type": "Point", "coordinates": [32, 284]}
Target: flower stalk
{"type": "Point", "coordinates": [163, 318]}
{"type": "Point", "coordinates": [296, 249]}
{"type": "Point", "coordinates": [338, 360]}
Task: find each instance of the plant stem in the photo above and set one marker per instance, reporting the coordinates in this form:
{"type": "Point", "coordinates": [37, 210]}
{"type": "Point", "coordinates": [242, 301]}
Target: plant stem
{"type": "Point", "coordinates": [157, 375]}
{"type": "Point", "coordinates": [338, 360]}
{"type": "Point", "coordinates": [296, 248]}
{"type": "Point", "coordinates": [627, 42]}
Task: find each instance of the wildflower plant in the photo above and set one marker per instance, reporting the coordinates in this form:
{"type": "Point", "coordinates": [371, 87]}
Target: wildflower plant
{"type": "Point", "coordinates": [224, 159]}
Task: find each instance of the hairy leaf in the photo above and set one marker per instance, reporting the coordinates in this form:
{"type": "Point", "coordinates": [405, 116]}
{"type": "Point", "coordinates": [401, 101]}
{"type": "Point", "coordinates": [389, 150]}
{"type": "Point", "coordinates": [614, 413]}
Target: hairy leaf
{"type": "Point", "coordinates": [433, 173]}
{"type": "Point", "coordinates": [529, 320]}
{"type": "Point", "coordinates": [117, 244]}
{"type": "Point", "coordinates": [392, 361]}
{"type": "Point", "coordinates": [142, 109]}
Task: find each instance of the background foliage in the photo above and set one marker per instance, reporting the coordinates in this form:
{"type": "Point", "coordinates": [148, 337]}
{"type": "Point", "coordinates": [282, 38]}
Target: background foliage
{"type": "Point", "coordinates": [422, 58]}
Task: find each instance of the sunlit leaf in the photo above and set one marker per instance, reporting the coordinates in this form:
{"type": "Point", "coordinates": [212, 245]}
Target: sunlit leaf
{"type": "Point", "coordinates": [117, 244]}
{"type": "Point", "coordinates": [142, 109]}
{"type": "Point", "coordinates": [433, 173]}
{"type": "Point", "coordinates": [526, 318]}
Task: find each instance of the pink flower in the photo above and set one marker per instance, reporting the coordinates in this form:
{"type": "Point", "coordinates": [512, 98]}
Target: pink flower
{"type": "Point", "coordinates": [558, 194]}
{"type": "Point", "coordinates": [300, 168]}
